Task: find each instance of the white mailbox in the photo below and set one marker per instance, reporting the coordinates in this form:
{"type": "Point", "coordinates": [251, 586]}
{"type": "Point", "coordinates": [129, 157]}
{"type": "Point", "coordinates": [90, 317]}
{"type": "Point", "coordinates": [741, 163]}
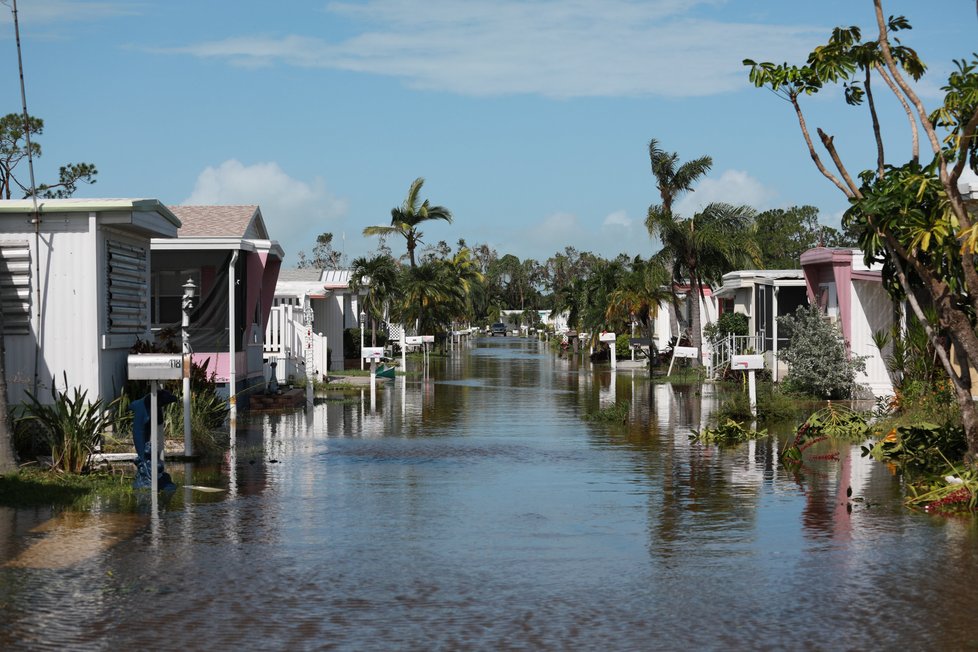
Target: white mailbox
{"type": "Point", "coordinates": [373, 353]}
{"type": "Point", "coordinates": [684, 352]}
{"type": "Point", "coordinates": [412, 340]}
{"type": "Point", "coordinates": [746, 362]}
{"type": "Point", "coordinates": [155, 366]}
{"type": "Point", "coordinates": [428, 339]}
{"type": "Point", "coordinates": [606, 337]}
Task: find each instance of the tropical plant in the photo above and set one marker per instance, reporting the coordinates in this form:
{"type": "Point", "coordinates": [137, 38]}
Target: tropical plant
{"type": "Point", "coordinates": [922, 447]}
{"type": "Point", "coordinates": [702, 248]}
{"type": "Point", "coordinates": [376, 280]}
{"type": "Point", "coordinates": [71, 426]}
{"type": "Point", "coordinates": [818, 362]}
{"type": "Point", "coordinates": [638, 295]}
{"type": "Point", "coordinates": [406, 218]}
{"type": "Point", "coordinates": [208, 411]}
{"type": "Point", "coordinates": [727, 433]}
{"type": "Point", "coordinates": [729, 323]}
{"type": "Point", "coordinates": [911, 217]}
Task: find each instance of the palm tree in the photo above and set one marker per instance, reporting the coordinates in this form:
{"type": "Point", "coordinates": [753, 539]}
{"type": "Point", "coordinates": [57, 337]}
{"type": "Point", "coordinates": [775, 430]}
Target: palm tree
{"type": "Point", "coordinates": [703, 248]}
{"type": "Point", "coordinates": [427, 295]}
{"type": "Point", "coordinates": [406, 218]}
{"type": "Point", "coordinates": [638, 297]}
{"type": "Point", "coordinates": [378, 276]}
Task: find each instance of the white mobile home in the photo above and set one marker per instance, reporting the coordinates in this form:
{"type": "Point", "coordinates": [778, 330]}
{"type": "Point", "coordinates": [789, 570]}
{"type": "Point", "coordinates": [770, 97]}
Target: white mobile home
{"type": "Point", "coordinates": [74, 282]}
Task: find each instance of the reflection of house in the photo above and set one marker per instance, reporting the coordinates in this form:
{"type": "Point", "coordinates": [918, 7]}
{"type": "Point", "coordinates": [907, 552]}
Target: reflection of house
{"type": "Point", "coordinates": [852, 295]}
{"type": "Point", "coordinates": [226, 252]}
{"type": "Point", "coordinates": [74, 287]}
{"type": "Point", "coordinates": [335, 308]}
{"type": "Point", "coordinates": [763, 296]}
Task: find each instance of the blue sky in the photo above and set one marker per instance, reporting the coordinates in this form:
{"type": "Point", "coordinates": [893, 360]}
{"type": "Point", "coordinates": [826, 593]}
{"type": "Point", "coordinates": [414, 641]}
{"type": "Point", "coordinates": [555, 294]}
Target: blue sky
{"type": "Point", "coordinates": [529, 119]}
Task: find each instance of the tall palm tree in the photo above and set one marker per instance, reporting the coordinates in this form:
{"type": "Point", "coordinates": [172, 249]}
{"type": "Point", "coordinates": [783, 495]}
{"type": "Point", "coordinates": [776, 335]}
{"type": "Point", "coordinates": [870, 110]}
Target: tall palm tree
{"type": "Point", "coordinates": [406, 218]}
{"type": "Point", "coordinates": [702, 248]}
{"type": "Point", "coordinates": [378, 276]}
{"type": "Point", "coordinates": [673, 181]}
{"type": "Point", "coordinates": [426, 296]}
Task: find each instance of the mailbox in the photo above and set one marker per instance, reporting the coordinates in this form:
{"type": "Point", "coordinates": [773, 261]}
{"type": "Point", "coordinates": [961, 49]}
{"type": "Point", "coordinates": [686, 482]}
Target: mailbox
{"type": "Point", "coordinates": [412, 340]}
{"type": "Point", "coordinates": [746, 362]}
{"type": "Point", "coordinates": [373, 353]}
{"type": "Point", "coordinates": [684, 352]}
{"type": "Point", "coordinates": [155, 366]}
{"type": "Point", "coordinates": [639, 342]}
{"type": "Point", "coordinates": [606, 337]}
{"type": "Point", "coordinates": [428, 339]}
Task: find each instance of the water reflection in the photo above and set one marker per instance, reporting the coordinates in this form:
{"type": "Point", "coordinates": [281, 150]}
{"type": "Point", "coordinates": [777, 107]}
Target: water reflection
{"type": "Point", "coordinates": [474, 507]}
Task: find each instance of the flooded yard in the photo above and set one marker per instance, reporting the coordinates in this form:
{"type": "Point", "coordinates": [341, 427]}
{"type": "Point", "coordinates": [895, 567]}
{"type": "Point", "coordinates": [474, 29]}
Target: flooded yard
{"type": "Point", "coordinates": [475, 508]}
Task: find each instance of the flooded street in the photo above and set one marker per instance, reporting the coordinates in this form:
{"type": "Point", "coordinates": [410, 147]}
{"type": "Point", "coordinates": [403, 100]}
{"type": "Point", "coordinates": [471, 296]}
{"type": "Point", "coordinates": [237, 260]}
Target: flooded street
{"type": "Point", "coordinates": [477, 509]}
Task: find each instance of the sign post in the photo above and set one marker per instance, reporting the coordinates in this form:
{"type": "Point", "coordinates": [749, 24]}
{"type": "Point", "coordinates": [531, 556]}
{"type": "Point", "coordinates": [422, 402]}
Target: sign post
{"type": "Point", "coordinates": [749, 363]}
{"type": "Point", "coordinates": [610, 338]}
{"type": "Point", "coordinates": [373, 354]}
{"type": "Point", "coordinates": [154, 367]}
{"type": "Point", "coordinates": [681, 352]}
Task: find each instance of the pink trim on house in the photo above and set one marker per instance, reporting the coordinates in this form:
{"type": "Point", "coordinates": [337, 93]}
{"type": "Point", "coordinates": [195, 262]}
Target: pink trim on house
{"type": "Point", "coordinates": [831, 265]}
{"type": "Point", "coordinates": [217, 363]}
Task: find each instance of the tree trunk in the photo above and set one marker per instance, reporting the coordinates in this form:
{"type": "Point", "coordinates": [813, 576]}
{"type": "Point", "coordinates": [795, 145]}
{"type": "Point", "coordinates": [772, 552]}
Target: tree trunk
{"type": "Point", "coordinates": [696, 321]}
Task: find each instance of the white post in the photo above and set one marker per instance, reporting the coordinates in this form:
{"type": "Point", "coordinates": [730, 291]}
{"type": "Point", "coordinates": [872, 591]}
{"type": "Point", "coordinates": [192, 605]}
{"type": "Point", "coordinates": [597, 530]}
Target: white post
{"type": "Point", "coordinates": [373, 383]}
{"type": "Point", "coordinates": [363, 317]}
{"type": "Point", "coordinates": [774, 339]}
{"type": "Point", "coordinates": [403, 349]}
{"type": "Point", "coordinates": [310, 362]}
{"type": "Point", "coordinates": [154, 445]}
{"type": "Point", "coordinates": [232, 376]}
{"type": "Point", "coordinates": [614, 355]}
{"type": "Point", "coordinates": [188, 304]}
{"type": "Point", "coordinates": [633, 336]}
{"type": "Point", "coordinates": [752, 392]}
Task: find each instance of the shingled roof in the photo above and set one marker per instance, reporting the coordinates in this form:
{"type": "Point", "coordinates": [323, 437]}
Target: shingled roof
{"type": "Point", "coordinates": [220, 221]}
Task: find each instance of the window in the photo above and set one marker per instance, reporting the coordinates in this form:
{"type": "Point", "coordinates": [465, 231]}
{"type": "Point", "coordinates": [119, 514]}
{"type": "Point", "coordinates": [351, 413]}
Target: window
{"type": "Point", "coordinates": [15, 287]}
{"type": "Point", "coordinates": [168, 294]}
{"type": "Point", "coordinates": [126, 278]}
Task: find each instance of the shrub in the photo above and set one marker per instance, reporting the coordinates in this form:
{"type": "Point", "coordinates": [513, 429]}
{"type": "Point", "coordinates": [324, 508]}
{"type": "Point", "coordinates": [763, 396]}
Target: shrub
{"type": "Point", "coordinates": [70, 426]}
{"type": "Point", "coordinates": [729, 323]}
{"type": "Point", "coordinates": [817, 361]}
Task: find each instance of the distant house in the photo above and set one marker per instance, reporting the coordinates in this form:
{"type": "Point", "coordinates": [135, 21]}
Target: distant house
{"type": "Point", "coordinates": [75, 286]}
{"type": "Point", "coordinates": [851, 295]}
{"type": "Point", "coordinates": [334, 307]}
{"type": "Point", "coordinates": [763, 296]}
{"type": "Point", "coordinates": [227, 253]}
{"type": "Point", "coordinates": [670, 322]}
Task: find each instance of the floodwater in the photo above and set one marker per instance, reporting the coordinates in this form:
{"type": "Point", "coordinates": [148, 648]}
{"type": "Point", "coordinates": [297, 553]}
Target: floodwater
{"type": "Point", "coordinates": [476, 508]}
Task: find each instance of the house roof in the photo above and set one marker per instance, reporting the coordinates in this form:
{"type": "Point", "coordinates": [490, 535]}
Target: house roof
{"type": "Point", "coordinates": [221, 221]}
{"type": "Point", "coordinates": [149, 216]}
{"type": "Point", "coordinates": [306, 274]}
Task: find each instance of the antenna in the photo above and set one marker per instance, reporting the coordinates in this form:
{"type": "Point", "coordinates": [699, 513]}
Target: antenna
{"type": "Point", "coordinates": [36, 219]}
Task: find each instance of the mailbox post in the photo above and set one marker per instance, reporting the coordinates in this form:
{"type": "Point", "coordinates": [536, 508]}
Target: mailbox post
{"type": "Point", "coordinates": [611, 339]}
{"type": "Point", "coordinates": [154, 367]}
{"type": "Point", "coordinates": [749, 363]}
{"type": "Point", "coordinates": [373, 354]}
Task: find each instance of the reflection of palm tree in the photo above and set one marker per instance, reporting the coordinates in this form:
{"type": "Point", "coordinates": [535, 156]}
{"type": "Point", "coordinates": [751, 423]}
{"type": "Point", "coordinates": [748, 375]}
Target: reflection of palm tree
{"type": "Point", "coordinates": [378, 276]}
{"type": "Point", "coordinates": [406, 218]}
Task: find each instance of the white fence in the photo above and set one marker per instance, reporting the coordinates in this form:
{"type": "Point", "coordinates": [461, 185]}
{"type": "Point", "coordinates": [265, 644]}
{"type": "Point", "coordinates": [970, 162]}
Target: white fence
{"type": "Point", "coordinates": [287, 341]}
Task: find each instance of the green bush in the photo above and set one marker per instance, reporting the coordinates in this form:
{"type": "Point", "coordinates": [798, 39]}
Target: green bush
{"type": "Point", "coordinates": [816, 358]}
{"type": "Point", "coordinates": [729, 323]}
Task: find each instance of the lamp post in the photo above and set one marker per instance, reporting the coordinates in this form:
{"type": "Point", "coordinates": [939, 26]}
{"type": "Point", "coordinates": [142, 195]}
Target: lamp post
{"type": "Point", "coordinates": [187, 305]}
{"type": "Point", "coordinates": [363, 318]}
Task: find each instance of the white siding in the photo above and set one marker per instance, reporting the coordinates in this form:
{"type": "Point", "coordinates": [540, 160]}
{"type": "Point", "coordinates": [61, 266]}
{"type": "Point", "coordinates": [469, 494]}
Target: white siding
{"type": "Point", "coordinates": [872, 310]}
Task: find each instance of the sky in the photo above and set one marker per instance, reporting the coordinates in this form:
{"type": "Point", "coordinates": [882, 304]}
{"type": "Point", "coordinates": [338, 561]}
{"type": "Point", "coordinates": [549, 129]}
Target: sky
{"type": "Point", "coordinates": [529, 119]}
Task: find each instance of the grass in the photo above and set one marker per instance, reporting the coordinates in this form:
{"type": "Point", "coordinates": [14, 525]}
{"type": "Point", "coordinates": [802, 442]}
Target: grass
{"type": "Point", "coordinates": [36, 487]}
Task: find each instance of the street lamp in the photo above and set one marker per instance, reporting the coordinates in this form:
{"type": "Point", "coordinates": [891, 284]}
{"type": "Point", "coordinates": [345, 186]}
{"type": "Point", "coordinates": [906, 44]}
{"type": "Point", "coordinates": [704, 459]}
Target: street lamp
{"type": "Point", "coordinates": [363, 318]}
{"type": "Point", "coordinates": [187, 305]}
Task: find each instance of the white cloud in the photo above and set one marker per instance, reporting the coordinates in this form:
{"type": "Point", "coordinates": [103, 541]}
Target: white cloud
{"type": "Point", "coordinates": [294, 211]}
{"type": "Point", "coordinates": [555, 48]}
{"type": "Point", "coordinates": [734, 187]}
{"type": "Point", "coordinates": [617, 220]}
